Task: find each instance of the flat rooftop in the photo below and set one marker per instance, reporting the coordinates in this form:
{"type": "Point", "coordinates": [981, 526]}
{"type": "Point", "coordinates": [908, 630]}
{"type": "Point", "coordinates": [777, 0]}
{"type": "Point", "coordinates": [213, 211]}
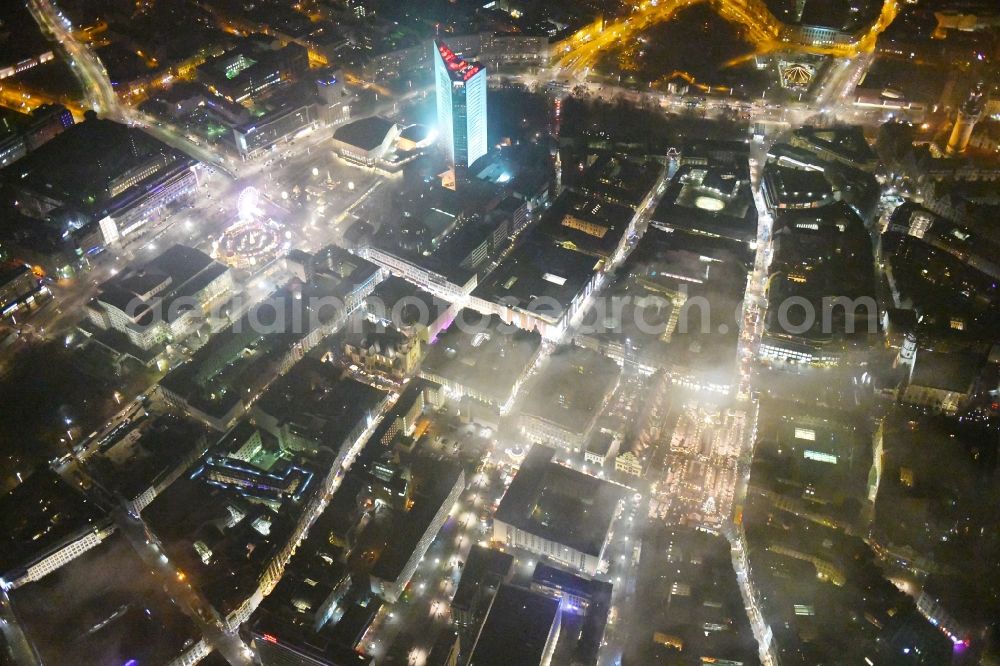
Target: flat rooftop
{"type": "Point", "coordinates": [179, 272]}
{"type": "Point", "coordinates": [705, 151]}
{"type": "Point", "coordinates": [915, 80]}
{"type": "Point", "coordinates": [550, 576]}
{"type": "Point", "coordinates": [478, 233]}
{"type": "Point", "coordinates": [365, 134]}
{"type": "Point", "coordinates": [104, 607]}
{"type": "Point", "coordinates": [242, 536]}
{"type": "Point", "coordinates": [600, 442]}
{"type": "Point", "coordinates": [663, 269]}
{"type": "Point", "coordinates": [423, 218]}
{"type": "Point", "coordinates": [433, 482]}
{"type": "Point", "coordinates": [21, 37]}
{"type": "Point", "coordinates": [319, 401]}
{"type": "Point", "coordinates": [218, 375]}
{"type": "Point", "coordinates": [715, 199]}
{"type": "Point", "coordinates": [586, 224]}
{"type": "Point", "coordinates": [572, 386]}
{"type": "Point", "coordinates": [812, 446]}
{"type": "Point", "coordinates": [373, 448]}
{"type": "Point", "coordinates": [620, 180]}
{"type": "Point", "coordinates": [975, 247]}
{"type": "Point", "coordinates": [559, 504]}
{"type": "Point", "coordinates": [483, 354]}
{"type": "Point", "coordinates": [355, 621]}
{"type": "Point", "coordinates": [90, 156]}
{"type": "Point", "coordinates": [818, 253]}
{"type": "Point", "coordinates": [955, 372]}
{"type": "Point", "coordinates": [686, 588]}
{"type": "Point", "coordinates": [404, 303]}
{"type": "Point", "coordinates": [248, 64]}
{"type": "Point", "coordinates": [840, 14]}
{"type": "Point", "coordinates": [10, 270]}
{"type": "Point", "coordinates": [323, 647]}
{"type": "Point", "coordinates": [337, 272]}
{"type": "Point", "coordinates": [131, 468]}
{"type": "Point", "coordinates": [517, 628]}
{"type": "Point", "coordinates": [790, 186]}
{"type": "Point", "coordinates": [39, 517]}
{"type": "Point", "coordinates": [416, 133]}
{"type": "Point", "coordinates": [12, 122]}
{"type": "Point", "coordinates": [540, 276]}
{"type": "Point", "coordinates": [847, 141]}
{"type": "Point", "coordinates": [484, 567]}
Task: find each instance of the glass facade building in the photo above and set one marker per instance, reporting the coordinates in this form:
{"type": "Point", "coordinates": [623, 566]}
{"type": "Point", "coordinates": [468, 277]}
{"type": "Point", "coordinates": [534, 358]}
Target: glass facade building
{"type": "Point", "coordinates": [461, 105]}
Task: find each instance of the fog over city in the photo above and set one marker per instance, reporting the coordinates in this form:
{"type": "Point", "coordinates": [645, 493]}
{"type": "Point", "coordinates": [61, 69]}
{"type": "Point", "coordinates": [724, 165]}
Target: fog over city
{"type": "Point", "coordinates": [511, 332]}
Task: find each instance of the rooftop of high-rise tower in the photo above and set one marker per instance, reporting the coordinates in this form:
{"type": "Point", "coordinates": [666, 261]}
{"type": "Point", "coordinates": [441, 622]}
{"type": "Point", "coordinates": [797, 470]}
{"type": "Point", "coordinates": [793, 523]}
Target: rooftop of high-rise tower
{"type": "Point", "coordinates": [458, 69]}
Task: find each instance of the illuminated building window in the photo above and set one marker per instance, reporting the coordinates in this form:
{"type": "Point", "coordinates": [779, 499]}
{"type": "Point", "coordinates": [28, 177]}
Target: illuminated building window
{"type": "Point", "coordinates": [805, 433]}
{"type": "Point", "coordinates": [819, 456]}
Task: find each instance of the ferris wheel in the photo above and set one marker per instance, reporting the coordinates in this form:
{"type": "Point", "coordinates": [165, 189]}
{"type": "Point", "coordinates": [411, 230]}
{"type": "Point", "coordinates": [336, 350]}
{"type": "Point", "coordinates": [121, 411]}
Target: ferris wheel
{"type": "Point", "coordinates": [247, 202]}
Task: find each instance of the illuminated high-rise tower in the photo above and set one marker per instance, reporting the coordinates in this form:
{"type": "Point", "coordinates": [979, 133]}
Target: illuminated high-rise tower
{"type": "Point", "coordinates": [965, 121]}
{"type": "Point", "coordinates": [461, 105]}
